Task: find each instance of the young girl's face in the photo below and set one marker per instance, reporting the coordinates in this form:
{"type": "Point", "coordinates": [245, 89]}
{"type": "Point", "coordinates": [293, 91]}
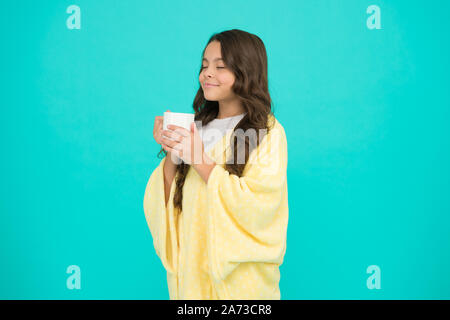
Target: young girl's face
{"type": "Point", "coordinates": [215, 72]}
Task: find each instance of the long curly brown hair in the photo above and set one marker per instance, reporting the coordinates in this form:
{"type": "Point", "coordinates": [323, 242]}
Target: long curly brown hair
{"type": "Point", "coordinates": [245, 55]}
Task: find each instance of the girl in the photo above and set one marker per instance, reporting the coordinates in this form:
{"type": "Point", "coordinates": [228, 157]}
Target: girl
{"type": "Point", "coordinates": [219, 225]}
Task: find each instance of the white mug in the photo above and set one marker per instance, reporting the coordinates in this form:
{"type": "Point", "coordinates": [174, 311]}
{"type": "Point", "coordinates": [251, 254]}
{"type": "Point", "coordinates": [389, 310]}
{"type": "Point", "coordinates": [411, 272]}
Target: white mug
{"type": "Point", "coordinates": [179, 119]}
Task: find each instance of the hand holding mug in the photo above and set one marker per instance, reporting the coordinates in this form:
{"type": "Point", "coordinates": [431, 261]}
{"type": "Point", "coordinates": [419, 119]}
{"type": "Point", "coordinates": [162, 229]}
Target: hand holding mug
{"type": "Point", "coordinates": [185, 144]}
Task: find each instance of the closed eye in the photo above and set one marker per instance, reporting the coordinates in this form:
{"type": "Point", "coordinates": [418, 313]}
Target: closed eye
{"type": "Point", "coordinates": [216, 67]}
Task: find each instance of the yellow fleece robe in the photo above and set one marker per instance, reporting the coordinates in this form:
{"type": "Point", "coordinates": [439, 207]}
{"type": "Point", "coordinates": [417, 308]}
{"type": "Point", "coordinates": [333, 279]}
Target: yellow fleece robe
{"type": "Point", "coordinates": [230, 238]}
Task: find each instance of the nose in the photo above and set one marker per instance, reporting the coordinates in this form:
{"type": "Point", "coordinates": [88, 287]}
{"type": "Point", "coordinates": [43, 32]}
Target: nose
{"type": "Point", "coordinates": [208, 72]}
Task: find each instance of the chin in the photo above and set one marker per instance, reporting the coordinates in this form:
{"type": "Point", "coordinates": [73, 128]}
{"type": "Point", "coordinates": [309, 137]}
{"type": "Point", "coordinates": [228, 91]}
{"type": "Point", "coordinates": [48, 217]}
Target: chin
{"type": "Point", "coordinates": [210, 97]}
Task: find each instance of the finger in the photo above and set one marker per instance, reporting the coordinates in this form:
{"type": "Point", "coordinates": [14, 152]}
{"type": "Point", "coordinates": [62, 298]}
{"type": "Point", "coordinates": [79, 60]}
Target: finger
{"type": "Point", "coordinates": [174, 127]}
{"type": "Point", "coordinates": [167, 148]}
{"type": "Point", "coordinates": [180, 130]}
{"type": "Point", "coordinates": [172, 150]}
{"type": "Point", "coordinates": [157, 133]}
{"type": "Point", "coordinates": [158, 121]}
{"type": "Point", "coordinates": [168, 142]}
{"type": "Point", "coordinates": [172, 134]}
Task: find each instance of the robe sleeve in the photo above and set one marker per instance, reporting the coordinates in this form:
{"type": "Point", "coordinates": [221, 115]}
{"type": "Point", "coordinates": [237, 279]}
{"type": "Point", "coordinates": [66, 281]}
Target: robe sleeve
{"type": "Point", "coordinates": [161, 219]}
{"type": "Point", "coordinates": [247, 216]}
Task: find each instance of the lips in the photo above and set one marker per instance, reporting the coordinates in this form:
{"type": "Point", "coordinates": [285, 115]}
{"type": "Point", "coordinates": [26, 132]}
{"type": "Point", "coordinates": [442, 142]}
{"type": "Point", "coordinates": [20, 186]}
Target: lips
{"type": "Point", "coordinates": [209, 85]}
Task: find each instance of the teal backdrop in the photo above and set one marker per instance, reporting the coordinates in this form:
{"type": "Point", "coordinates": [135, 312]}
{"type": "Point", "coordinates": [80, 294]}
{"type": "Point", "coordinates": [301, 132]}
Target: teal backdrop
{"type": "Point", "coordinates": [366, 113]}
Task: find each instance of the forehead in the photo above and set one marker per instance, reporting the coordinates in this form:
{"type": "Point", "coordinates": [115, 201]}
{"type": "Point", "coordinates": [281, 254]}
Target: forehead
{"type": "Point", "coordinates": [212, 52]}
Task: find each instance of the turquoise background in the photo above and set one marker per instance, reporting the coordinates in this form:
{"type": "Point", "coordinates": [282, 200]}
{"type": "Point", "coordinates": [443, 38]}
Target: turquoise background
{"type": "Point", "coordinates": [366, 113]}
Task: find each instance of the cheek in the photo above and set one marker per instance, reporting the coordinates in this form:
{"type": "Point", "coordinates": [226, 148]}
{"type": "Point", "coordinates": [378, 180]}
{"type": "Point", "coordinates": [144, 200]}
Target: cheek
{"type": "Point", "coordinates": [227, 80]}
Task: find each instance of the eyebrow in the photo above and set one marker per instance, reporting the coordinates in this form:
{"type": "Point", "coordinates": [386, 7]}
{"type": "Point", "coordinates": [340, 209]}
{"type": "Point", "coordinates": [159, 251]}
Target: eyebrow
{"type": "Point", "coordinates": [213, 60]}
